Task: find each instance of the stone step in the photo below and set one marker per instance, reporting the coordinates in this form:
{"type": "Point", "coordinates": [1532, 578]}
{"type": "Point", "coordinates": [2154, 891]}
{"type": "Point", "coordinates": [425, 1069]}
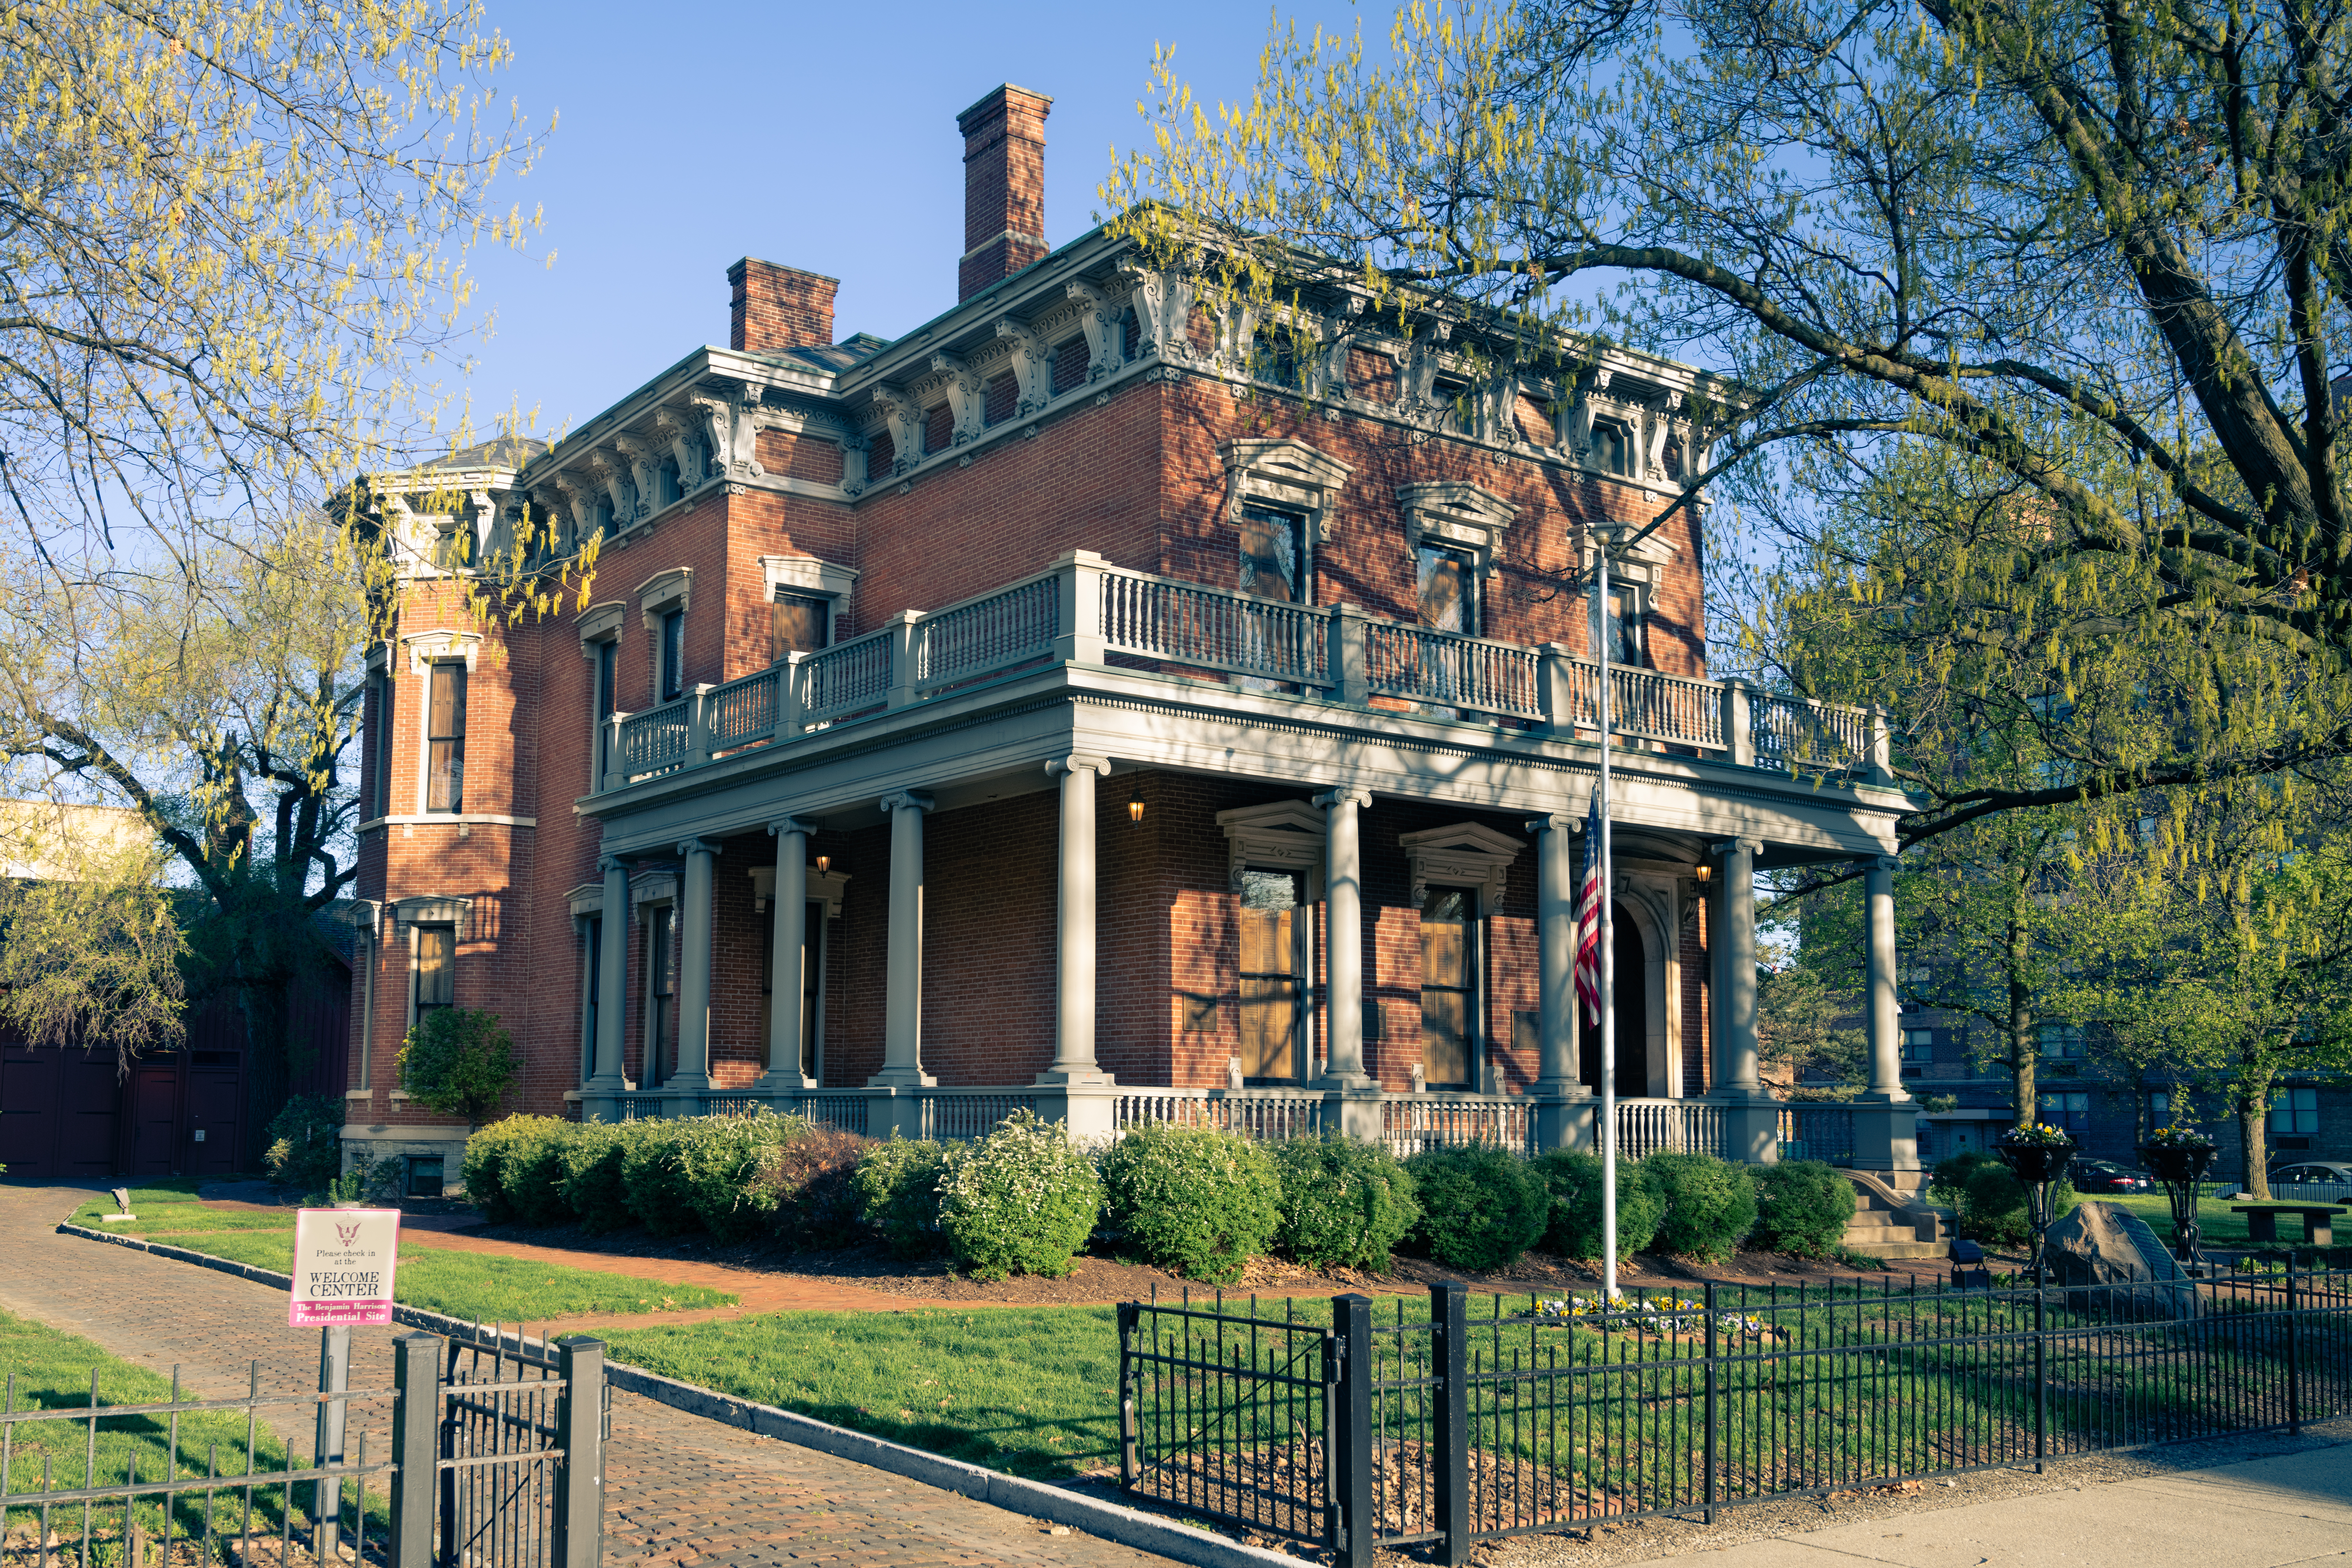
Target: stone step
{"type": "Point", "coordinates": [1883, 1220]}
{"type": "Point", "coordinates": [1900, 1249]}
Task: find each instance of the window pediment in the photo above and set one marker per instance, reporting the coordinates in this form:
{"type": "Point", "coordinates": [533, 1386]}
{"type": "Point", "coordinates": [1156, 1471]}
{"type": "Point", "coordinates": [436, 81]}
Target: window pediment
{"type": "Point", "coordinates": [1465, 855]}
{"type": "Point", "coordinates": [1288, 474]}
{"type": "Point", "coordinates": [1281, 836]}
{"type": "Point", "coordinates": [428, 649]}
{"type": "Point", "coordinates": [663, 592]}
{"type": "Point", "coordinates": [600, 623]}
{"type": "Point", "coordinates": [1458, 513]}
{"type": "Point", "coordinates": [447, 909]}
{"type": "Point", "coordinates": [825, 888]}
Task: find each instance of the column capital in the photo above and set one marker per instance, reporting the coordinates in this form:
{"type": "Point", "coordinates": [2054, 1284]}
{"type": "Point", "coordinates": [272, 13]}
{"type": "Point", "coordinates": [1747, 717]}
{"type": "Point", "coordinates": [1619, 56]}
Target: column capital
{"type": "Point", "coordinates": [1882, 863]}
{"type": "Point", "coordinates": [1344, 796]}
{"type": "Point", "coordinates": [1077, 762]}
{"type": "Point", "coordinates": [1553, 820]}
{"type": "Point", "coordinates": [1734, 845]}
{"type": "Point", "coordinates": [784, 825]}
{"type": "Point", "coordinates": [905, 800]}
{"type": "Point", "coordinates": [608, 864]}
{"type": "Point", "coordinates": [697, 847]}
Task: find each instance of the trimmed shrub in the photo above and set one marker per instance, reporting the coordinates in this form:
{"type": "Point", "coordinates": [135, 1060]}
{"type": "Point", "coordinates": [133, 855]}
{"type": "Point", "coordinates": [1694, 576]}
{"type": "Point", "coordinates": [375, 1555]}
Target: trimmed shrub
{"type": "Point", "coordinates": [1710, 1204]}
{"type": "Point", "coordinates": [652, 1181]}
{"type": "Point", "coordinates": [1573, 1180]}
{"type": "Point", "coordinates": [532, 1173]}
{"type": "Point", "coordinates": [1022, 1200]}
{"type": "Point", "coordinates": [811, 1194]}
{"type": "Point", "coordinates": [898, 1187]}
{"type": "Point", "coordinates": [720, 1160]}
{"type": "Point", "coordinates": [1947, 1184]}
{"type": "Point", "coordinates": [592, 1184]}
{"type": "Point", "coordinates": [1346, 1203]}
{"type": "Point", "coordinates": [488, 1154]}
{"type": "Point", "coordinates": [1193, 1200]}
{"type": "Point", "coordinates": [459, 1061]}
{"type": "Point", "coordinates": [1481, 1207]}
{"type": "Point", "coordinates": [1801, 1206]}
{"type": "Point", "coordinates": [305, 1143]}
{"type": "Point", "coordinates": [1992, 1205]}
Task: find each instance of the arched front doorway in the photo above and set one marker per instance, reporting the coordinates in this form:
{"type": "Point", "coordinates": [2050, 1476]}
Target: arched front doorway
{"type": "Point", "coordinates": [1631, 980]}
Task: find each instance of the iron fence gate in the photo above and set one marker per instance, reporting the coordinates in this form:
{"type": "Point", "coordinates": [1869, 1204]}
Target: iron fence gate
{"type": "Point", "coordinates": [495, 1461]}
{"type": "Point", "coordinates": [1394, 1427]}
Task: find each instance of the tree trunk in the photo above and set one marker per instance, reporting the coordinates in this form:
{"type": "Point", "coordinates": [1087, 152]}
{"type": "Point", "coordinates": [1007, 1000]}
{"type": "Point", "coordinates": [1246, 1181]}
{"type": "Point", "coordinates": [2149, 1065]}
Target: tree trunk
{"type": "Point", "coordinates": [2253, 1116]}
{"type": "Point", "coordinates": [2023, 1046]}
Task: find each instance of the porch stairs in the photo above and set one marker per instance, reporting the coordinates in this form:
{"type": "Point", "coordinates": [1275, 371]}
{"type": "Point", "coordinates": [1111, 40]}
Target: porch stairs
{"type": "Point", "coordinates": [1891, 1223]}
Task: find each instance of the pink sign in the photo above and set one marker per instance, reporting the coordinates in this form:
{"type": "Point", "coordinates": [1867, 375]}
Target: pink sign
{"type": "Point", "coordinates": [342, 1267]}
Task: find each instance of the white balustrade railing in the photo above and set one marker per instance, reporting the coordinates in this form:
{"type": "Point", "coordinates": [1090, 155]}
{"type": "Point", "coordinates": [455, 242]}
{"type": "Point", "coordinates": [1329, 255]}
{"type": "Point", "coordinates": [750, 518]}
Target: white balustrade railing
{"type": "Point", "coordinates": [1212, 628]}
{"type": "Point", "coordinates": [1410, 1124]}
{"type": "Point", "coordinates": [1261, 1115]}
{"type": "Point", "coordinates": [1817, 1132]}
{"type": "Point", "coordinates": [955, 1117]}
{"type": "Point", "coordinates": [1084, 608]}
{"type": "Point", "coordinates": [1647, 1127]}
{"type": "Point", "coordinates": [1003, 629]}
{"type": "Point", "coordinates": [1451, 670]}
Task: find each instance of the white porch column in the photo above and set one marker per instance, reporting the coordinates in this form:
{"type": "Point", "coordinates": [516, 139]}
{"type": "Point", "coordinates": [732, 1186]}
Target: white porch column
{"type": "Point", "coordinates": [1560, 1124]}
{"type": "Point", "coordinates": [1074, 970]}
{"type": "Point", "coordinates": [1751, 1116]}
{"type": "Point", "coordinates": [787, 991]}
{"type": "Point", "coordinates": [1734, 940]}
{"type": "Point", "coordinates": [1343, 919]}
{"type": "Point", "coordinates": [612, 979]}
{"type": "Point", "coordinates": [902, 1011]}
{"type": "Point", "coordinates": [694, 966]}
{"type": "Point", "coordinates": [1886, 1119]}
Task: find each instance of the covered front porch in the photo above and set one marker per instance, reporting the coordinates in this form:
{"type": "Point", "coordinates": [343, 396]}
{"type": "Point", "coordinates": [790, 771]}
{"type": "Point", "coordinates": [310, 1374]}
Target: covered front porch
{"type": "Point", "coordinates": [1326, 890]}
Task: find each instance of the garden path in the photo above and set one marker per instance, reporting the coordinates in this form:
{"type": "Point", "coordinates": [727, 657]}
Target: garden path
{"type": "Point", "coordinates": [681, 1492]}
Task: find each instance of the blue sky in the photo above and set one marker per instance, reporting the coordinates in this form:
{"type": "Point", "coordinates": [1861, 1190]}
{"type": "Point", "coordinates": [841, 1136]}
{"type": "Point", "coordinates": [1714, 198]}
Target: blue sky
{"type": "Point", "coordinates": [819, 136]}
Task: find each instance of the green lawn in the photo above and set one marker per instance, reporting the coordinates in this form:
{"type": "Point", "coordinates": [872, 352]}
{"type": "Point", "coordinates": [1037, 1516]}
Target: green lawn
{"type": "Point", "coordinates": [1028, 1390]}
{"type": "Point", "coordinates": [51, 1370]}
{"type": "Point", "coordinates": [2215, 1223]}
{"type": "Point", "coordinates": [473, 1286]}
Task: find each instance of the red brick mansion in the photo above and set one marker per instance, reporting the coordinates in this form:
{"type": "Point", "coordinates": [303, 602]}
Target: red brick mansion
{"type": "Point", "coordinates": [1095, 700]}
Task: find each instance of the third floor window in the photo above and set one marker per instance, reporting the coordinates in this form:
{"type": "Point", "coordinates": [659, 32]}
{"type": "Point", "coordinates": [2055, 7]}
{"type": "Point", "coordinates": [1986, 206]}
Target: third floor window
{"type": "Point", "coordinates": [444, 778]}
{"type": "Point", "coordinates": [672, 654]}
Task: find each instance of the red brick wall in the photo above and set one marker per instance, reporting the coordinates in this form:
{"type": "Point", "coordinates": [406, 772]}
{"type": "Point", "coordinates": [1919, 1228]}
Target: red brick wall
{"type": "Point", "coordinates": [774, 307]}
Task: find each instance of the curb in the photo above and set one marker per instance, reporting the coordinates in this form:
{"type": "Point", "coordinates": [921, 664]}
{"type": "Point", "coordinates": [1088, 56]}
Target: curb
{"type": "Point", "coordinates": [1126, 1526]}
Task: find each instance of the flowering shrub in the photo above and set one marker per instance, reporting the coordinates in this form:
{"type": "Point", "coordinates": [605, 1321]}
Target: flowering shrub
{"type": "Point", "coordinates": [1573, 1180]}
{"type": "Point", "coordinates": [1022, 1200]}
{"type": "Point", "coordinates": [1481, 1207]}
{"type": "Point", "coordinates": [1710, 1204]}
{"type": "Point", "coordinates": [1801, 1206]}
{"type": "Point", "coordinates": [1346, 1203]}
{"type": "Point", "coordinates": [898, 1187]}
{"type": "Point", "coordinates": [719, 1160]}
{"type": "Point", "coordinates": [1193, 1200]}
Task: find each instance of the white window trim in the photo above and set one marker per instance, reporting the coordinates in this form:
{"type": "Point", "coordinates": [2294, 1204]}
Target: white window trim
{"type": "Point", "coordinates": [1465, 855]}
{"type": "Point", "coordinates": [424, 747]}
{"type": "Point", "coordinates": [600, 625]}
{"type": "Point", "coordinates": [428, 649]}
{"type": "Point", "coordinates": [1280, 836]}
{"type": "Point", "coordinates": [814, 579]}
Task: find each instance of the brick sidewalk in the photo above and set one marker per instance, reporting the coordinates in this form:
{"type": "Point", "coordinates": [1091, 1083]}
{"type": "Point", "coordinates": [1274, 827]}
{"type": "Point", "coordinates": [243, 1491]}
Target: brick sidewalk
{"type": "Point", "coordinates": [679, 1489]}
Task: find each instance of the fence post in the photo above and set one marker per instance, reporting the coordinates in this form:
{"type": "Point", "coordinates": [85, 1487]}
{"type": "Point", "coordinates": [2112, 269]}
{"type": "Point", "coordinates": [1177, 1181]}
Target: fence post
{"type": "Point", "coordinates": [327, 1449]}
{"type": "Point", "coordinates": [2293, 1352]}
{"type": "Point", "coordinates": [1130, 1469]}
{"type": "Point", "coordinates": [698, 725]}
{"type": "Point", "coordinates": [1714, 1415]}
{"type": "Point", "coordinates": [906, 629]}
{"type": "Point", "coordinates": [1351, 1433]}
{"type": "Point", "coordinates": [1351, 680]}
{"type": "Point", "coordinates": [579, 1535]}
{"type": "Point", "coordinates": [1078, 619]}
{"type": "Point", "coordinates": [416, 1423]}
{"type": "Point", "coordinates": [2040, 1373]}
{"type": "Point", "coordinates": [1449, 1319]}
{"type": "Point", "coordinates": [792, 696]}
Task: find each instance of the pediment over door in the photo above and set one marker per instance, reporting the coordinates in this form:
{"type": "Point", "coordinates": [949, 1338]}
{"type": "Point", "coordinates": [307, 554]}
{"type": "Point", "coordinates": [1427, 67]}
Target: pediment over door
{"type": "Point", "coordinates": [1280, 836]}
{"type": "Point", "coordinates": [1465, 855]}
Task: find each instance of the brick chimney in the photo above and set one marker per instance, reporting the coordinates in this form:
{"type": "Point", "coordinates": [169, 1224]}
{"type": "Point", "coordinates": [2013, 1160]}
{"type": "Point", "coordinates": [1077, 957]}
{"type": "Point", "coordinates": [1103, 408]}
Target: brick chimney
{"type": "Point", "coordinates": [775, 306]}
{"type": "Point", "coordinates": [1004, 186]}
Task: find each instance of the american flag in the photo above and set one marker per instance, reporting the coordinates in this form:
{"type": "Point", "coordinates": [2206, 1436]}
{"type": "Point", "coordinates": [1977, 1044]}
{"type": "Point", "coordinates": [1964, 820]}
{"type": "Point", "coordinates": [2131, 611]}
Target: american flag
{"type": "Point", "coordinates": [1588, 921]}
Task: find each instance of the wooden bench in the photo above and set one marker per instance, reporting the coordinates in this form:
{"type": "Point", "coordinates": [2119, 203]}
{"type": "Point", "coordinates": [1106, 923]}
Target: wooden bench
{"type": "Point", "coordinates": [2318, 1221]}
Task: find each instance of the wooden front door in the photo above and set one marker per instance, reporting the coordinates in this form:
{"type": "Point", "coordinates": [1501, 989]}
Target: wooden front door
{"type": "Point", "coordinates": [1272, 934]}
{"type": "Point", "coordinates": [1449, 1012]}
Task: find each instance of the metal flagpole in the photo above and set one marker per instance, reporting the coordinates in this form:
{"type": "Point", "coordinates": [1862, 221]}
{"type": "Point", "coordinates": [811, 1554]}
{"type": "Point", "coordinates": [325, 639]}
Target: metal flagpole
{"type": "Point", "coordinates": [1607, 959]}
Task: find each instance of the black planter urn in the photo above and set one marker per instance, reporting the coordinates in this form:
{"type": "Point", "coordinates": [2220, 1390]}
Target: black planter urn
{"type": "Point", "coordinates": [2177, 1161]}
{"type": "Point", "coordinates": [2036, 1162]}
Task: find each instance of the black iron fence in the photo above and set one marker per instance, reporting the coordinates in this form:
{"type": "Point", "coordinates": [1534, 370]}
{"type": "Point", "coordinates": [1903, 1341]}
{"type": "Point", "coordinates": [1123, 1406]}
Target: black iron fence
{"type": "Point", "coordinates": [1394, 1425]}
{"type": "Point", "coordinates": [495, 1460]}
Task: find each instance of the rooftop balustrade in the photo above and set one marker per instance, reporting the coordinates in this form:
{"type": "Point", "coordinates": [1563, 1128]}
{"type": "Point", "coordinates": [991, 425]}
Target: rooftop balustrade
{"type": "Point", "coordinates": [1084, 610]}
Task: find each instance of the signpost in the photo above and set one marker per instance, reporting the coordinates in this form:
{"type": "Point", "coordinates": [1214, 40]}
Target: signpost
{"type": "Point", "coordinates": [343, 1262]}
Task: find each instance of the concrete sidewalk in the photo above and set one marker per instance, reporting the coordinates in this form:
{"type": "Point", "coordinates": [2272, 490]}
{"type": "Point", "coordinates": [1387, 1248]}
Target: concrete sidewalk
{"type": "Point", "coordinates": [2261, 1513]}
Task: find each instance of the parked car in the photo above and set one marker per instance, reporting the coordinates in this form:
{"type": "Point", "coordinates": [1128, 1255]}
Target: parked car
{"type": "Point", "coordinates": [2106, 1177]}
{"type": "Point", "coordinates": [2313, 1173]}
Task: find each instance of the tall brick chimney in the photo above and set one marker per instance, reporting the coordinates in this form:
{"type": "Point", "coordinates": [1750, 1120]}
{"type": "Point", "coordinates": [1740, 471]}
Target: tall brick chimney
{"type": "Point", "coordinates": [1004, 186]}
{"type": "Point", "coordinates": [775, 306]}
